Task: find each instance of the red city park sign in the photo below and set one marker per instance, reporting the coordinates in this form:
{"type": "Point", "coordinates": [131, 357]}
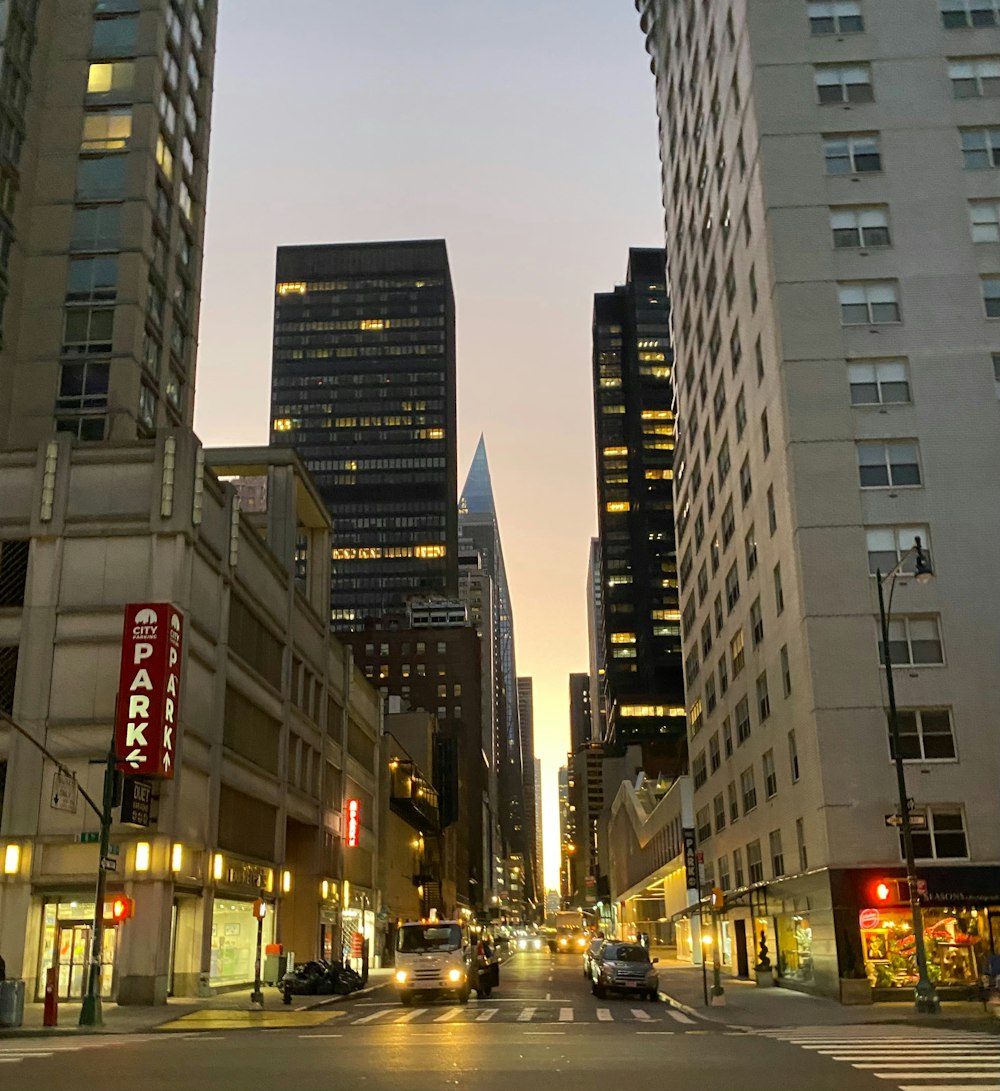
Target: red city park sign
{"type": "Point", "coordinates": [149, 690]}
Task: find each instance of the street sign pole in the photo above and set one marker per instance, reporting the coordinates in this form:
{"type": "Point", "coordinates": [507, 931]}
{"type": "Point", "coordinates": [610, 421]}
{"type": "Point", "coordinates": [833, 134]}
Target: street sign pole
{"type": "Point", "coordinates": [91, 1013]}
{"type": "Point", "coordinates": [257, 996]}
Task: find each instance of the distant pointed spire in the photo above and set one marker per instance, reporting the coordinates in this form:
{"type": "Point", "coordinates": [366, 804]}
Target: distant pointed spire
{"type": "Point", "coordinates": [477, 496]}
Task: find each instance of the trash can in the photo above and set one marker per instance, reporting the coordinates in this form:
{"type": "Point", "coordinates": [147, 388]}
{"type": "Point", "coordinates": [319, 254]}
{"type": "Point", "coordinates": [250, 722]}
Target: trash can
{"type": "Point", "coordinates": [11, 1002]}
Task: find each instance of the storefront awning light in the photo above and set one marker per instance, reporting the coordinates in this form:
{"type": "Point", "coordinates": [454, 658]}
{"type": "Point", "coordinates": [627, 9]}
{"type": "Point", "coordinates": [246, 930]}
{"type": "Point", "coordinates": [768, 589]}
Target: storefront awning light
{"type": "Point", "coordinates": [286, 882]}
{"type": "Point", "coordinates": [217, 866]}
{"type": "Point", "coordinates": [142, 854]}
{"type": "Point", "coordinates": [325, 889]}
{"type": "Point", "coordinates": [177, 857]}
{"type": "Point", "coordinates": [12, 860]}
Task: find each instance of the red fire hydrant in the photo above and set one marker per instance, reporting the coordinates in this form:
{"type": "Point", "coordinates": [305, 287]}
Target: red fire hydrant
{"type": "Point", "coordinates": [50, 1016]}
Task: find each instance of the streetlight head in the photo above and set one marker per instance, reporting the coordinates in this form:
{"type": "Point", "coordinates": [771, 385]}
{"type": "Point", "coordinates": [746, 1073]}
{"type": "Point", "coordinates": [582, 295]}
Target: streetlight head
{"type": "Point", "coordinates": [922, 565]}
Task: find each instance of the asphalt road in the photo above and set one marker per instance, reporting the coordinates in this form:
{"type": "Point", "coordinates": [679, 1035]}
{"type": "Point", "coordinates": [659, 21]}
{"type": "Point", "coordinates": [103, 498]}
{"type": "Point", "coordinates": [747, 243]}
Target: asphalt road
{"type": "Point", "coordinates": [541, 1030]}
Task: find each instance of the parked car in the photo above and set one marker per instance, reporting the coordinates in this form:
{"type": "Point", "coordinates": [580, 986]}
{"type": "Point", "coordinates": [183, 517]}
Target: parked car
{"type": "Point", "coordinates": [624, 967]}
{"type": "Point", "coordinates": [588, 955]}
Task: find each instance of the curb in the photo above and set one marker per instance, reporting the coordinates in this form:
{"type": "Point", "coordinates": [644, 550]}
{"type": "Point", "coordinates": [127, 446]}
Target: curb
{"type": "Point", "coordinates": [692, 1013]}
{"type": "Point", "coordinates": [336, 998]}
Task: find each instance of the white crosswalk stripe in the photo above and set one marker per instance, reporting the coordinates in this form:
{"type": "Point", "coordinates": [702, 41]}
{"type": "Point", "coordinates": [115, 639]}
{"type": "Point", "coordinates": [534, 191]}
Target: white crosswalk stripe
{"type": "Point", "coordinates": [526, 1015]}
{"type": "Point", "coordinates": [565, 1015]}
{"type": "Point", "coordinates": [642, 1016]}
{"type": "Point", "coordinates": [552, 1012]}
{"type": "Point", "coordinates": [679, 1016]}
{"type": "Point", "coordinates": [486, 1016]}
{"type": "Point", "coordinates": [940, 1059]}
{"type": "Point", "coordinates": [604, 1015]}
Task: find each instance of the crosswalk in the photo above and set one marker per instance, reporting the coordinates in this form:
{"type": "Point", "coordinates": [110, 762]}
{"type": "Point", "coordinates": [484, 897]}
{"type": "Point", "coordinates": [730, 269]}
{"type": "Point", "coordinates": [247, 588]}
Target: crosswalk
{"type": "Point", "coordinates": [17, 1051]}
{"type": "Point", "coordinates": [907, 1058]}
{"type": "Point", "coordinates": [538, 1012]}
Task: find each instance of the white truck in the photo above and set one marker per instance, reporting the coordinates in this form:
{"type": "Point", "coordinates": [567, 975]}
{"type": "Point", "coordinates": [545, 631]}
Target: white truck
{"type": "Point", "coordinates": [435, 958]}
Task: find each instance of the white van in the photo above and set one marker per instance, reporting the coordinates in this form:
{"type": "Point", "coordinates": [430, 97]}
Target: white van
{"type": "Point", "coordinates": [435, 958]}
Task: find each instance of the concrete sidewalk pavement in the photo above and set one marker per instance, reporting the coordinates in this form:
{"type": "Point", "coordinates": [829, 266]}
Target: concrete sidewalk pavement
{"type": "Point", "coordinates": [747, 1005]}
{"type": "Point", "coordinates": [138, 1020]}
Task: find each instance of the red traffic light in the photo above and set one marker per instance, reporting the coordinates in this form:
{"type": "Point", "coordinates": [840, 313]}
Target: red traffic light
{"type": "Point", "coordinates": [119, 909]}
{"type": "Point", "coordinates": [260, 909]}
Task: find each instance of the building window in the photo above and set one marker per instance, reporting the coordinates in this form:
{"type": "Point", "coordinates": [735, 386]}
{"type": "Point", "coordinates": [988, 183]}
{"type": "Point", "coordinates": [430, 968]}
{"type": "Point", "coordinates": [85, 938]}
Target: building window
{"type": "Point", "coordinates": [772, 514]}
{"type": "Point", "coordinates": [860, 227]}
{"type": "Point", "coordinates": [980, 148]}
{"type": "Point", "coordinates": [737, 652]}
{"type": "Point", "coordinates": [110, 79]}
{"type": "Point", "coordinates": [879, 382]}
{"type": "Point", "coordinates": [97, 228]}
{"type": "Point", "coordinates": [756, 623]}
{"type": "Point", "coordinates": [913, 641]}
{"type": "Point", "coordinates": [738, 879]}
{"type": "Point", "coordinates": [101, 178]}
{"type": "Point", "coordinates": [106, 130]}
{"type": "Point", "coordinates": [710, 697]}
{"type": "Point", "coordinates": [991, 296]}
{"type": "Point", "coordinates": [699, 770]}
{"type": "Point", "coordinates": [750, 546]}
{"type": "Point", "coordinates": [728, 523]}
{"type": "Point", "coordinates": [746, 484]}
{"type": "Point", "coordinates": [841, 83]}
{"type": "Point", "coordinates": [83, 386]}
{"type": "Point", "coordinates": [723, 461]}
{"type": "Point", "coordinates": [944, 838]}
{"type": "Point", "coordinates": [895, 462]}
{"type": "Point", "coordinates": [956, 14]}
{"type": "Point", "coordinates": [719, 809]}
{"type": "Point", "coordinates": [779, 594]}
{"type": "Point", "coordinates": [793, 757]}
{"type": "Point", "coordinates": [714, 752]}
{"type": "Point", "coordinates": [765, 434]}
{"type": "Point", "coordinates": [115, 37]}
{"type": "Point", "coordinates": [742, 721]}
{"type": "Point", "coordinates": [732, 587]}
{"type": "Point", "coordinates": [777, 856]}
{"type": "Point", "coordinates": [984, 218]}
{"type": "Point", "coordinates": [975, 78]}
{"type": "Point", "coordinates": [888, 545]}
{"type": "Point", "coordinates": [869, 303]}
{"type": "Point", "coordinates": [697, 714]}
{"type": "Point", "coordinates": [800, 839]}
{"type": "Point", "coordinates": [741, 415]}
{"type": "Point", "coordinates": [146, 414]}
{"type": "Point", "coordinates": [786, 673]}
{"type": "Point", "coordinates": [925, 734]}
{"type": "Point", "coordinates": [727, 737]}
{"type": "Point", "coordinates": [852, 154]}
{"type": "Point", "coordinates": [763, 698]}
{"type": "Point", "coordinates": [88, 330]}
{"type": "Point", "coordinates": [706, 639]}
{"type": "Point", "coordinates": [723, 674]}
{"type": "Point", "coordinates": [755, 866]}
{"type": "Point", "coordinates": [734, 807]}
{"type": "Point", "coordinates": [90, 428]}
{"type": "Point", "coordinates": [702, 584]}
{"type": "Point", "coordinates": [843, 17]}
{"type": "Point", "coordinates": [92, 279]}
{"type": "Point", "coordinates": [703, 822]}
{"type": "Point", "coordinates": [770, 775]}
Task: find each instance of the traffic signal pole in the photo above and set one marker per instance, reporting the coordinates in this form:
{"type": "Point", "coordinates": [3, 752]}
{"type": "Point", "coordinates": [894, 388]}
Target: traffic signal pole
{"type": "Point", "coordinates": [91, 1012]}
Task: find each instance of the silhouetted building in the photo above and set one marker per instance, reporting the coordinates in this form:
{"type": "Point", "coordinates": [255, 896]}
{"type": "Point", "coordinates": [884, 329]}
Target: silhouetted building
{"type": "Point", "coordinates": [580, 712]}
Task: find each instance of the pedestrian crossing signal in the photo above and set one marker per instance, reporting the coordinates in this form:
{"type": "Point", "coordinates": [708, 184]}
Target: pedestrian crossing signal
{"type": "Point", "coordinates": [119, 909]}
{"type": "Point", "coordinates": [718, 898]}
{"type": "Point", "coordinates": [259, 909]}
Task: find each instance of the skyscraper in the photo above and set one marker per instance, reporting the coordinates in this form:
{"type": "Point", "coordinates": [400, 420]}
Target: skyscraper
{"type": "Point", "coordinates": [526, 726]}
{"type": "Point", "coordinates": [595, 638]}
{"type": "Point", "coordinates": [105, 168]}
{"type": "Point", "coordinates": [634, 429]}
{"type": "Point", "coordinates": [480, 528]}
{"type": "Point", "coordinates": [581, 726]}
{"type": "Point", "coordinates": [363, 386]}
{"type": "Point", "coordinates": [831, 196]}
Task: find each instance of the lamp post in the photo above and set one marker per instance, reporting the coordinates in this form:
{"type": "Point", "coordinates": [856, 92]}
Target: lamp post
{"type": "Point", "coordinates": [926, 996]}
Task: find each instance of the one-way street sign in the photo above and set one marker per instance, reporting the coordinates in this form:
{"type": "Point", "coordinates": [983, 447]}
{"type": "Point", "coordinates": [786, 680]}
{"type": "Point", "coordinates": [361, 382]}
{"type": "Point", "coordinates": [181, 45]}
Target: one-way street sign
{"type": "Point", "coordinates": [918, 820]}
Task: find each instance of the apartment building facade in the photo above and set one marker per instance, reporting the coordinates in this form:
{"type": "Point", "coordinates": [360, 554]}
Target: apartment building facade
{"type": "Point", "coordinates": [830, 185]}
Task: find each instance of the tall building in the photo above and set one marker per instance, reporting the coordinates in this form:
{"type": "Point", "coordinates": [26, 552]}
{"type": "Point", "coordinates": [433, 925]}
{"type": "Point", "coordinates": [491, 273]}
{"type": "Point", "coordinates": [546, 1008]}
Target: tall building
{"type": "Point", "coordinates": [532, 818]}
{"type": "Point", "coordinates": [580, 711]}
{"type": "Point", "coordinates": [539, 834]}
{"type": "Point", "coordinates": [479, 530]}
{"type": "Point", "coordinates": [831, 195]}
{"type": "Point", "coordinates": [363, 386]}
{"type": "Point", "coordinates": [595, 639]}
{"type": "Point", "coordinates": [104, 167]}
{"type": "Point", "coordinates": [634, 431]}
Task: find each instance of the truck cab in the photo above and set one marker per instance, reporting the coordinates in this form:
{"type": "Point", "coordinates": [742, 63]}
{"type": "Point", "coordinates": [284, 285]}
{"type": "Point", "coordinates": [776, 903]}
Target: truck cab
{"type": "Point", "coordinates": [434, 958]}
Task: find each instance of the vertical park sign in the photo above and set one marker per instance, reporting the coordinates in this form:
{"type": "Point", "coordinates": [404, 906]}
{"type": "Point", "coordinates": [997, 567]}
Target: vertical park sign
{"type": "Point", "coordinates": [149, 690]}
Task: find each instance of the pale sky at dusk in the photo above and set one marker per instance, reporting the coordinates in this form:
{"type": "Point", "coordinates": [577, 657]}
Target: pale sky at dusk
{"type": "Point", "coordinates": [521, 131]}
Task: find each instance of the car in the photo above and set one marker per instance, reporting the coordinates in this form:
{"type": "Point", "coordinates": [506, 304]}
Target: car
{"type": "Point", "coordinates": [528, 941]}
{"type": "Point", "coordinates": [623, 967]}
{"type": "Point", "coordinates": [588, 955]}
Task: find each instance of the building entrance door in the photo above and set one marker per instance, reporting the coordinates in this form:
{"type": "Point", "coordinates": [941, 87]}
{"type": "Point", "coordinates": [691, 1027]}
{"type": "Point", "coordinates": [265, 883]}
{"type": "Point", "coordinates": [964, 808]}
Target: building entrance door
{"type": "Point", "coordinates": [742, 962]}
{"type": "Point", "coordinates": [73, 959]}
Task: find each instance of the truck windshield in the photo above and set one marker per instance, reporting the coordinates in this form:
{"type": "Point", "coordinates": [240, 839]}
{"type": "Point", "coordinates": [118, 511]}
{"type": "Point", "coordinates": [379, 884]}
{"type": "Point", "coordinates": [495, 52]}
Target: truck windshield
{"type": "Point", "coordinates": [417, 938]}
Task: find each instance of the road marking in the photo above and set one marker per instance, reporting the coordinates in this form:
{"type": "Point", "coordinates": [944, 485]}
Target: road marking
{"type": "Point", "coordinates": [604, 1015]}
{"type": "Point", "coordinates": [565, 1015]}
{"type": "Point", "coordinates": [371, 1018]}
{"type": "Point", "coordinates": [409, 1016]}
{"type": "Point", "coordinates": [987, 1074]}
{"type": "Point", "coordinates": [546, 1034]}
{"type": "Point", "coordinates": [923, 1064]}
{"type": "Point", "coordinates": [642, 1016]}
{"type": "Point", "coordinates": [321, 1036]}
{"type": "Point", "coordinates": [548, 996]}
{"type": "Point", "coordinates": [948, 1087]}
{"type": "Point", "coordinates": [487, 1015]}
{"type": "Point", "coordinates": [679, 1016]}
{"type": "Point", "coordinates": [526, 1015]}
{"type": "Point", "coordinates": [661, 1032]}
{"type": "Point", "coordinates": [445, 1016]}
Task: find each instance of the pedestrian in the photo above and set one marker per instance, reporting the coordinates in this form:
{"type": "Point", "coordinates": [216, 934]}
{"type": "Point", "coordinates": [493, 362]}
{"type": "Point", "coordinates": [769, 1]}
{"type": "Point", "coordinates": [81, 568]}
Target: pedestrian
{"type": "Point", "coordinates": [3, 969]}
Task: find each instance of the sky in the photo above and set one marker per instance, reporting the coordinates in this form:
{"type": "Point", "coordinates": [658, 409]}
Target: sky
{"type": "Point", "coordinates": [523, 132]}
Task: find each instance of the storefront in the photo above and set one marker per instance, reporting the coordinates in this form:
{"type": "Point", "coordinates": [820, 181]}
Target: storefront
{"type": "Point", "coordinates": [234, 940]}
{"type": "Point", "coordinates": [795, 948]}
{"type": "Point", "coordinates": [67, 931]}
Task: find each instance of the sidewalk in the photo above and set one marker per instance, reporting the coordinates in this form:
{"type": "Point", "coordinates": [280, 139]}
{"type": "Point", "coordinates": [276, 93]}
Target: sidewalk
{"type": "Point", "coordinates": [750, 1007]}
{"type": "Point", "coordinates": [139, 1020]}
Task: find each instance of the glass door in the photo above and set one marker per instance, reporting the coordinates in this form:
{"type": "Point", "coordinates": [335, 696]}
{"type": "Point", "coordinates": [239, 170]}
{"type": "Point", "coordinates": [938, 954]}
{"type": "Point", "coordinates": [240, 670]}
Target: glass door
{"type": "Point", "coordinates": [73, 960]}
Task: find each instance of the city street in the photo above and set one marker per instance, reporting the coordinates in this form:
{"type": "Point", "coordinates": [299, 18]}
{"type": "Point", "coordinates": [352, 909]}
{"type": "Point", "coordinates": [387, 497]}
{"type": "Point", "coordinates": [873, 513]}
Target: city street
{"type": "Point", "coordinates": [541, 1028]}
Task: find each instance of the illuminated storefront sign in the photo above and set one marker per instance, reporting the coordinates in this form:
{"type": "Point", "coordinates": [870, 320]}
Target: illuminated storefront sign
{"type": "Point", "coordinates": [353, 822]}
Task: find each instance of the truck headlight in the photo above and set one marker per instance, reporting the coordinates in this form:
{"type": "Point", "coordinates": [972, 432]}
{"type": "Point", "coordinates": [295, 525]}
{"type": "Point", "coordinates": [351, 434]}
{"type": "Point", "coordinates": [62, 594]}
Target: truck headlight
{"type": "Point", "coordinates": [454, 975]}
{"type": "Point", "coordinates": [563, 941]}
{"type": "Point", "coordinates": [401, 977]}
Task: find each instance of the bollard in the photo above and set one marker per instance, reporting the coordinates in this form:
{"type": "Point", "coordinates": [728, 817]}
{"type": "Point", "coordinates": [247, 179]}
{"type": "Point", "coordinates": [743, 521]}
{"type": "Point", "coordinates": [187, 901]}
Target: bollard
{"type": "Point", "coordinates": [51, 1011]}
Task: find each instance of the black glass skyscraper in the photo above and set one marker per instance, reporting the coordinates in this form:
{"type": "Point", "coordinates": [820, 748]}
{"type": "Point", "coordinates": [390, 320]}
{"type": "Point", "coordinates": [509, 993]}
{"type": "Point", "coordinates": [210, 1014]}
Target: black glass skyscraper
{"type": "Point", "coordinates": [363, 386]}
{"type": "Point", "coordinates": [634, 425]}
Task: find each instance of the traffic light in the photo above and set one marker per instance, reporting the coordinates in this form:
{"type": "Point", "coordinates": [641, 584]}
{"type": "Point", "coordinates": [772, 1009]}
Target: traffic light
{"type": "Point", "coordinates": [882, 892]}
{"type": "Point", "coordinates": [888, 891]}
{"type": "Point", "coordinates": [718, 898]}
{"type": "Point", "coordinates": [259, 909]}
{"type": "Point", "coordinates": [119, 909]}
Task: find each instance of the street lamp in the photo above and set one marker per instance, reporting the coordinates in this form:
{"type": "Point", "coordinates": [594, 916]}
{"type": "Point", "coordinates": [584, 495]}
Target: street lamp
{"type": "Point", "coordinates": [926, 997]}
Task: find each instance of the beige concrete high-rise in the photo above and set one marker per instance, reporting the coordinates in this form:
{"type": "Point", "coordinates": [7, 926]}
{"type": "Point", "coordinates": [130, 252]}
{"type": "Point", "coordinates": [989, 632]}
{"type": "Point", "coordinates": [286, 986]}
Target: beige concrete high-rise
{"type": "Point", "coordinates": [107, 194]}
{"type": "Point", "coordinates": [831, 184]}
